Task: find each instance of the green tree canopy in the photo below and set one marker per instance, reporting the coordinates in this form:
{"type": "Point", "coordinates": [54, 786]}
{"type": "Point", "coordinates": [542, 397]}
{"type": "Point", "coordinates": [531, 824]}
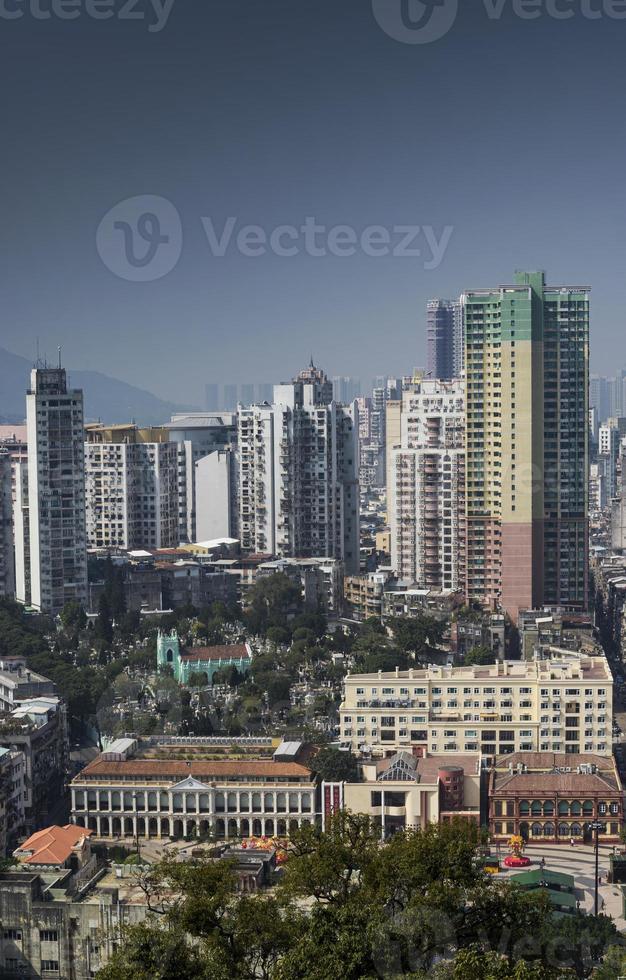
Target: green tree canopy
{"type": "Point", "coordinates": [335, 766]}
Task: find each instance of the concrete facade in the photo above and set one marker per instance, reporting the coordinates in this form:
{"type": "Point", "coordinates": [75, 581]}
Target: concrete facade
{"type": "Point", "coordinates": [56, 491]}
{"type": "Point", "coordinates": [562, 704]}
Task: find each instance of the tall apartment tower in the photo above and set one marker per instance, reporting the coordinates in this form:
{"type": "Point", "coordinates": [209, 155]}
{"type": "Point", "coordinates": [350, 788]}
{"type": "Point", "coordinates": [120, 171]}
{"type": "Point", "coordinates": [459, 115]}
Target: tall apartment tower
{"type": "Point", "coordinates": [7, 560]}
{"type": "Point", "coordinates": [56, 491]}
{"type": "Point", "coordinates": [131, 484]}
{"type": "Point", "coordinates": [205, 441]}
{"type": "Point", "coordinates": [428, 476]}
{"type": "Point", "coordinates": [444, 339]}
{"type": "Point", "coordinates": [527, 438]}
{"type": "Point", "coordinates": [298, 473]}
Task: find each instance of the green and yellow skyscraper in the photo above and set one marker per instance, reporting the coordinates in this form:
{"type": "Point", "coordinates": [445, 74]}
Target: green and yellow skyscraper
{"type": "Point", "coordinates": [527, 374]}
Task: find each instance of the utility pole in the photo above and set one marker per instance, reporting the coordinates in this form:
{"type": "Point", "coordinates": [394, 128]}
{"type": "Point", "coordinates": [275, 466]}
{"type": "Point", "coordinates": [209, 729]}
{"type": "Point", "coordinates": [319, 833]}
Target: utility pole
{"type": "Point", "coordinates": [596, 826]}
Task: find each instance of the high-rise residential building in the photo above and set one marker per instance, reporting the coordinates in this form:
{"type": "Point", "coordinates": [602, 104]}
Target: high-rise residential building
{"type": "Point", "coordinates": [229, 398]}
{"type": "Point", "coordinates": [56, 491]}
{"type": "Point", "coordinates": [427, 471]}
{"type": "Point", "coordinates": [298, 473]}
{"type": "Point", "coordinates": [131, 483]}
{"type": "Point", "coordinates": [345, 390]}
{"type": "Point", "coordinates": [608, 395]}
{"type": "Point", "coordinates": [609, 438]}
{"type": "Point", "coordinates": [21, 529]}
{"type": "Point", "coordinates": [527, 466]}
{"type": "Point", "coordinates": [204, 484]}
{"type": "Point", "coordinates": [247, 394]}
{"type": "Point", "coordinates": [444, 339]}
{"type": "Point", "coordinates": [212, 397]}
{"type": "Point", "coordinates": [7, 560]}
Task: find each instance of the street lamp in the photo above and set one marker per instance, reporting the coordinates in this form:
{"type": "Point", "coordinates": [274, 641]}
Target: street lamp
{"type": "Point", "coordinates": [596, 826]}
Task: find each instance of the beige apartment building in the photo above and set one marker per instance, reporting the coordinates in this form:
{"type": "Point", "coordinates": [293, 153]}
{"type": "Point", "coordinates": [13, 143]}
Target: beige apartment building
{"type": "Point", "coordinates": [403, 792]}
{"type": "Point", "coordinates": [562, 704]}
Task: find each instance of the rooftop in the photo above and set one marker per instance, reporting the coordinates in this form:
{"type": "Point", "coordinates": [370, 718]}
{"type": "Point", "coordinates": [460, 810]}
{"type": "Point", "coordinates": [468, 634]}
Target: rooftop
{"type": "Point", "coordinates": [427, 769]}
{"type": "Point", "coordinates": [233, 651]}
{"type": "Point", "coordinates": [204, 771]}
{"type": "Point", "coordinates": [570, 665]}
{"type": "Point", "coordinates": [53, 845]}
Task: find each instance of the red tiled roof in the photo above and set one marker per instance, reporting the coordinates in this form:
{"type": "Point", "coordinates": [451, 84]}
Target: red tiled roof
{"type": "Point", "coordinates": [551, 784]}
{"type": "Point", "coordinates": [54, 845]}
{"type": "Point", "coordinates": [204, 769]}
{"type": "Point", "coordinates": [234, 651]}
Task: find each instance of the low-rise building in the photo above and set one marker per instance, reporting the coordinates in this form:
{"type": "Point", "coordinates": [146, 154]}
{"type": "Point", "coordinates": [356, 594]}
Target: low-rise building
{"type": "Point", "coordinates": [404, 792]}
{"type": "Point", "coordinates": [55, 924]}
{"type": "Point", "coordinates": [563, 704]}
{"type": "Point", "coordinates": [200, 660]}
{"type": "Point", "coordinates": [363, 595]}
{"type": "Point", "coordinates": [400, 600]}
{"type": "Point", "coordinates": [554, 796]}
{"type": "Point", "coordinates": [58, 847]}
{"type": "Point", "coordinates": [475, 629]}
{"type": "Point", "coordinates": [18, 683]}
{"type": "Point", "coordinates": [321, 580]}
{"type": "Point", "coordinates": [187, 789]}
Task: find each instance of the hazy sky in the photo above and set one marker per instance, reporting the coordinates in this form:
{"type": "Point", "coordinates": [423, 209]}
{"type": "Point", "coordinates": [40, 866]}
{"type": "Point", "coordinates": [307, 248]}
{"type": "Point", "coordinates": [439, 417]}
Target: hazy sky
{"type": "Point", "coordinates": [508, 132]}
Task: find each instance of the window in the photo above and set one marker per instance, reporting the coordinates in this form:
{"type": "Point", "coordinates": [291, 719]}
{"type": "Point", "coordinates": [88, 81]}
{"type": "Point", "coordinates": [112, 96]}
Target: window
{"type": "Point", "coordinates": [49, 966]}
{"type": "Point", "coordinates": [48, 935]}
{"type": "Point", "coordinates": [16, 934]}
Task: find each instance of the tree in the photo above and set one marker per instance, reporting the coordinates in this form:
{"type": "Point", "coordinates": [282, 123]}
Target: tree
{"type": "Point", "coordinates": [475, 963]}
{"type": "Point", "coordinates": [278, 635]}
{"type": "Point", "coordinates": [335, 766]}
{"type": "Point", "coordinates": [479, 655]}
{"type": "Point", "coordinates": [198, 678]}
{"type": "Point", "coordinates": [149, 953]}
{"type": "Point", "coordinates": [73, 617]}
{"type": "Point", "coordinates": [420, 634]}
{"type": "Point", "coordinates": [104, 625]}
{"type": "Point", "coordinates": [613, 964]}
{"type": "Point", "coordinates": [272, 600]}
{"type": "Point", "coordinates": [220, 935]}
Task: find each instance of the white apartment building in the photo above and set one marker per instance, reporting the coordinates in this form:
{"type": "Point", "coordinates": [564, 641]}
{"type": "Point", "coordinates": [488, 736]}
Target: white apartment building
{"type": "Point", "coordinates": [427, 492]}
{"type": "Point", "coordinates": [564, 704]}
{"type": "Point", "coordinates": [21, 529]}
{"type": "Point", "coordinates": [56, 492]}
{"type": "Point", "coordinates": [7, 560]}
{"type": "Point", "coordinates": [298, 473]}
{"type": "Point", "coordinates": [206, 474]}
{"type": "Point", "coordinates": [131, 483]}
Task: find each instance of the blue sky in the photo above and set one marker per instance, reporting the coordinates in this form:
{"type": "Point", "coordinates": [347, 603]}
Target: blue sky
{"type": "Point", "coordinates": [509, 132]}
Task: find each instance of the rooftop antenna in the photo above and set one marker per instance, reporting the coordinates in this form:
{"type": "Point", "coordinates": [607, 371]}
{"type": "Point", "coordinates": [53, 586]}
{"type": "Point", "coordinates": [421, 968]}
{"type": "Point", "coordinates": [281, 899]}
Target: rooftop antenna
{"type": "Point", "coordinates": [59, 350]}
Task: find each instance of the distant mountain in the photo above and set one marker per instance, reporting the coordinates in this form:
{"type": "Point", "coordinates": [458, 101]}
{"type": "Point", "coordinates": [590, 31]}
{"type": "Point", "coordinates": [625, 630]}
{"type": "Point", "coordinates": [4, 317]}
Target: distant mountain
{"type": "Point", "coordinates": [105, 398]}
